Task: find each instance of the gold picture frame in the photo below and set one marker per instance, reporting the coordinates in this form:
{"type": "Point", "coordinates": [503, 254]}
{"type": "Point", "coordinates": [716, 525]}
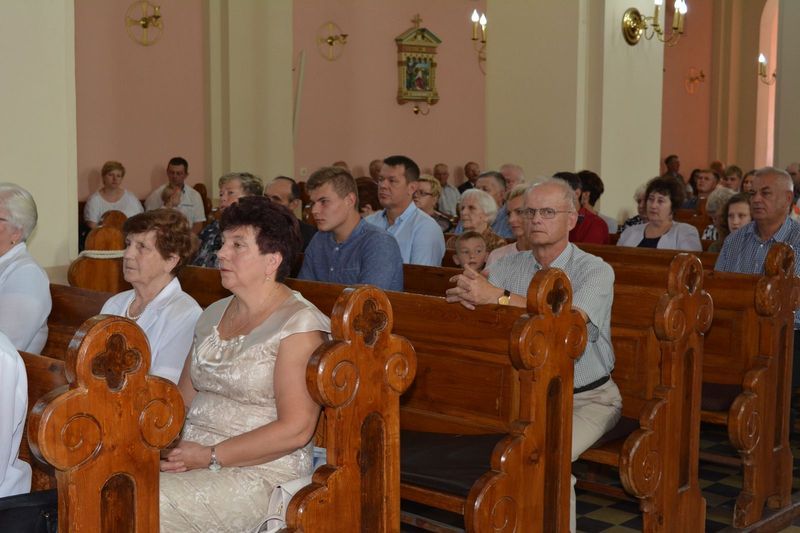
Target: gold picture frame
{"type": "Point", "coordinates": [416, 64]}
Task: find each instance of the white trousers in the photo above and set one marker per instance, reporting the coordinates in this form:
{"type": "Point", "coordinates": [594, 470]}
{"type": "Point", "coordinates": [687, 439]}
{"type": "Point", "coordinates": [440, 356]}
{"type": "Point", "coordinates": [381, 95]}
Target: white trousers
{"type": "Point", "coordinates": [594, 413]}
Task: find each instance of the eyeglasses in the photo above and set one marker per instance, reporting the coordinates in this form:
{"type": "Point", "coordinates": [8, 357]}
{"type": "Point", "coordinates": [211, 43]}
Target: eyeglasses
{"type": "Point", "coordinates": [545, 212]}
{"type": "Point", "coordinates": [421, 194]}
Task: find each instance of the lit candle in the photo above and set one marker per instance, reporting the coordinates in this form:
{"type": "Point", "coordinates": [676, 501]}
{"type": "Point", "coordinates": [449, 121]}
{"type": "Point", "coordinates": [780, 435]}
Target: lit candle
{"type": "Point", "coordinates": [676, 16]}
{"type": "Point", "coordinates": [475, 17]}
{"type": "Point", "coordinates": [683, 11]}
{"type": "Point", "coordinates": [762, 65]}
{"type": "Point", "coordinates": [483, 27]}
{"type": "Point", "coordinates": [657, 13]}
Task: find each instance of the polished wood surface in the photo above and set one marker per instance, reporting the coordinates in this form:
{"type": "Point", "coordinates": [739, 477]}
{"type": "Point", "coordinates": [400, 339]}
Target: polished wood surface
{"type": "Point", "coordinates": [112, 405]}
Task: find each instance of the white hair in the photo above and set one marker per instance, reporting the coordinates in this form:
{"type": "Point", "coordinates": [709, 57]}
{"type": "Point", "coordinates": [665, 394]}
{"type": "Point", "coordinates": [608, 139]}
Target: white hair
{"type": "Point", "coordinates": [485, 202]}
{"type": "Point", "coordinates": [783, 177]}
{"type": "Point", "coordinates": [718, 198]}
{"type": "Point", "coordinates": [21, 208]}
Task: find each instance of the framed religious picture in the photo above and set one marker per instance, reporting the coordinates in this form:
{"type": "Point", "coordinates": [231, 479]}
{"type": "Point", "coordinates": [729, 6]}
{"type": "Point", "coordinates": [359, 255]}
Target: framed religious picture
{"type": "Point", "coordinates": [416, 64]}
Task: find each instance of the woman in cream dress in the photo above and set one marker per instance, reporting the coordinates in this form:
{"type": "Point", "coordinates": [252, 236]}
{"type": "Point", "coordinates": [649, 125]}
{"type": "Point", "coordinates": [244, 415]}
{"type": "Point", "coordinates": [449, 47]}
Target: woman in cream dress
{"type": "Point", "coordinates": [250, 418]}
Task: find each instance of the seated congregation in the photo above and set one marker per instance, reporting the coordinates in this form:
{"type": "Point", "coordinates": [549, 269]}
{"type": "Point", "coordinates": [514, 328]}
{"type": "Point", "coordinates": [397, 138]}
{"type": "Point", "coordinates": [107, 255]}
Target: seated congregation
{"type": "Point", "coordinates": [546, 346]}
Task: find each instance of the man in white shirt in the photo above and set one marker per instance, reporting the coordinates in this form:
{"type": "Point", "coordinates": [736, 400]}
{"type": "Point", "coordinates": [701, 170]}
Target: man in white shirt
{"type": "Point", "coordinates": [419, 236]}
{"type": "Point", "coordinates": [448, 200]}
{"type": "Point", "coordinates": [191, 203]}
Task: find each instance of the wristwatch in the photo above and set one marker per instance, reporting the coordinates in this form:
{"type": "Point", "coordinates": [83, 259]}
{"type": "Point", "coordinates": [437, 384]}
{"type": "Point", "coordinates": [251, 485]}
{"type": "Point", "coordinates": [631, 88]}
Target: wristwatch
{"type": "Point", "coordinates": [505, 299]}
{"type": "Point", "coordinates": [214, 465]}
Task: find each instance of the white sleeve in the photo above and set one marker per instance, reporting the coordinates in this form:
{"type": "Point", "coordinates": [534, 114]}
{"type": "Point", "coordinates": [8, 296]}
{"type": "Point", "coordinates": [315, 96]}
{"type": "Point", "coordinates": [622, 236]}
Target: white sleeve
{"type": "Point", "coordinates": [171, 339]}
{"type": "Point", "coordinates": [91, 211]}
{"type": "Point", "coordinates": [25, 297]}
{"type": "Point", "coordinates": [198, 209]}
{"type": "Point", "coordinates": [15, 476]}
{"type": "Point", "coordinates": [153, 201]}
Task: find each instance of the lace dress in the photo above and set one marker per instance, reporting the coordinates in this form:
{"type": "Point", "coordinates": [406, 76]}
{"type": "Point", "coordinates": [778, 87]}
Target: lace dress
{"type": "Point", "coordinates": [235, 395]}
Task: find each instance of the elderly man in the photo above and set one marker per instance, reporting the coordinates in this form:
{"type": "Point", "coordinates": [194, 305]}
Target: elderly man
{"type": "Point", "coordinates": [285, 191]}
{"type": "Point", "coordinates": [190, 204]}
{"type": "Point", "coordinates": [448, 199]}
{"type": "Point", "coordinates": [471, 171]}
{"type": "Point", "coordinates": [513, 175]}
{"type": "Point", "coordinates": [745, 249]}
{"type": "Point", "coordinates": [419, 236]}
{"type": "Point", "coordinates": [550, 213]}
{"type": "Point", "coordinates": [347, 249]}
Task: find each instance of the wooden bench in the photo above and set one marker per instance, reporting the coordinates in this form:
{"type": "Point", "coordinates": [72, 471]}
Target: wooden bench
{"type": "Point", "coordinates": [746, 382]}
{"type": "Point", "coordinates": [357, 378]}
{"type": "Point", "coordinates": [479, 372]}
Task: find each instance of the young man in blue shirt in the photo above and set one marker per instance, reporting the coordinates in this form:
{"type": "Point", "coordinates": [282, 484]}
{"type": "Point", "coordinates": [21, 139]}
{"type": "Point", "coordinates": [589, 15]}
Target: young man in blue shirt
{"type": "Point", "coordinates": [346, 249]}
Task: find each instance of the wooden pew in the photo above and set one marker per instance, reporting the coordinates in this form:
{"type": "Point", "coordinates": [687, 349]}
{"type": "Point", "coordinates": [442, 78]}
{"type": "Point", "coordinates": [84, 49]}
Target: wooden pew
{"type": "Point", "coordinates": [357, 378]}
{"type": "Point", "coordinates": [746, 382]}
{"type": "Point", "coordinates": [625, 255]}
{"type": "Point", "coordinates": [488, 366]}
{"type": "Point", "coordinates": [71, 307]}
{"type": "Point", "coordinates": [111, 404]}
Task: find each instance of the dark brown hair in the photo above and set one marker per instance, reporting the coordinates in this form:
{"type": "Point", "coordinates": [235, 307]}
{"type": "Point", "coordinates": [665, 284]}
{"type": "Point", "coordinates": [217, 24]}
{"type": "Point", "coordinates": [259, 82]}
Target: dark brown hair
{"type": "Point", "coordinates": [668, 187]}
{"type": "Point", "coordinates": [277, 229]}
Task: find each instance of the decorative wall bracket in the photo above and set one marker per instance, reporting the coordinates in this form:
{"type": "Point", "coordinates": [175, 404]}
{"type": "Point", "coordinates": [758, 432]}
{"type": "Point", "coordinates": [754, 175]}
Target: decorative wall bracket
{"type": "Point", "coordinates": [331, 41]}
{"type": "Point", "coordinates": [144, 23]}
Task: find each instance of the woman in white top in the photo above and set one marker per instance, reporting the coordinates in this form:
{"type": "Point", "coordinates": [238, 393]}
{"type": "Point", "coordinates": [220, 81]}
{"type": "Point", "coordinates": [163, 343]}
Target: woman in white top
{"type": "Point", "coordinates": [515, 201]}
{"type": "Point", "coordinates": [15, 474]}
{"type": "Point", "coordinates": [158, 243]}
{"type": "Point", "coordinates": [663, 196]}
{"type": "Point", "coordinates": [24, 288]}
{"type": "Point", "coordinates": [111, 196]}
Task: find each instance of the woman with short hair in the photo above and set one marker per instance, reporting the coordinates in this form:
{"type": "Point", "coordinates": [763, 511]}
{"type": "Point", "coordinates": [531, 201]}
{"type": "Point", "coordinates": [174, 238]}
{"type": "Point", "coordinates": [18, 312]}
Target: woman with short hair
{"type": "Point", "coordinates": [231, 187]}
{"type": "Point", "coordinates": [158, 244]}
{"type": "Point", "coordinates": [24, 287]}
{"type": "Point", "coordinates": [663, 195]}
{"type": "Point", "coordinates": [478, 210]}
{"type": "Point", "coordinates": [250, 418]}
{"type": "Point", "coordinates": [427, 195]}
{"type": "Point", "coordinates": [111, 196]}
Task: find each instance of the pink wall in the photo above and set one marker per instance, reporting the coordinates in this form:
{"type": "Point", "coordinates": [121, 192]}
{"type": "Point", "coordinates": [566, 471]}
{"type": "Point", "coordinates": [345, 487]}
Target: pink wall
{"type": "Point", "coordinates": [685, 119]}
{"type": "Point", "coordinates": [348, 107]}
{"type": "Point", "coordinates": [138, 104]}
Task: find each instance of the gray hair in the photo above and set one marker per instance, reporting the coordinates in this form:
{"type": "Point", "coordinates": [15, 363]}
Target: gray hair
{"type": "Point", "coordinates": [782, 175]}
{"type": "Point", "coordinates": [485, 202]}
{"type": "Point", "coordinates": [718, 198]}
{"type": "Point", "coordinates": [564, 187]}
{"type": "Point", "coordinates": [251, 184]}
{"type": "Point", "coordinates": [21, 208]}
{"type": "Point", "coordinates": [639, 192]}
{"type": "Point", "coordinates": [517, 191]}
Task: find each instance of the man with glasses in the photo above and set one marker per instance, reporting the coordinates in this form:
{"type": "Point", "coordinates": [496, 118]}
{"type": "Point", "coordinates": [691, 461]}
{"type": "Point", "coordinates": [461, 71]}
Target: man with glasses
{"type": "Point", "coordinates": [550, 213]}
{"type": "Point", "coordinates": [419, 236]}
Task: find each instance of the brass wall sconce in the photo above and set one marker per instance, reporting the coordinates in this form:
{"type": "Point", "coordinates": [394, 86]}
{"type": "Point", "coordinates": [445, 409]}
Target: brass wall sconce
{"type": "Point", "coordinates": [331, 41]}
{"type": "Point", "coordinates": [479, 21]}
{"type": "Point", "coordinates": [418, 110]}
{"type": "Point", "coordinates": [147, 28]}
{"type": "Point", "coordinates": [634, 24]}
{"type": "Point", "coordinates": [693, 78]}
{"type": "Point", "coordinates": [762, 71]}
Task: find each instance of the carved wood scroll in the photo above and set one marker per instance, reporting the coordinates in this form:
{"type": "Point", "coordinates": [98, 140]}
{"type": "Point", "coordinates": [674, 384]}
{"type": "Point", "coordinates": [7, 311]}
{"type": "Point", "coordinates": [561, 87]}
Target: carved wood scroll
{"type": "Point", "coordinates": [104, 433]}
{"type": "Point", "coordinates": [358, 378]}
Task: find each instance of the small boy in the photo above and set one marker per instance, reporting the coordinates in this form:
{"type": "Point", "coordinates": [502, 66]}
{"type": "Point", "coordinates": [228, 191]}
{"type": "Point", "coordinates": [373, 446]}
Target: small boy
{"type": "Point", "coordinates": [471, 251]}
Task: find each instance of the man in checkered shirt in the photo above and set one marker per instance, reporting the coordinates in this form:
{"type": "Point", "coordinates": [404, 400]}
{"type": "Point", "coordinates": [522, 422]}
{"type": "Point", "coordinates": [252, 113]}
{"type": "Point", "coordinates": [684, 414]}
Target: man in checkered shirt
{"type": "Point", "coordinates": [550, 212]}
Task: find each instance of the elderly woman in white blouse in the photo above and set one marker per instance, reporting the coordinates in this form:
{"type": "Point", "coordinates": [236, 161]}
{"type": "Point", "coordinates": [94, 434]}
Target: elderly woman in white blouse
{"type": "Point", "coordinates": [15, 474]}
{"type": "Point", "coordinates": [157, 244]}
{"type": "Point", "coordinates": [24, 288]}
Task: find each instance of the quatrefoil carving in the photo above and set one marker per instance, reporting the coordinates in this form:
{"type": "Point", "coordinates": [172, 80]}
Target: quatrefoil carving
{"type": "Point", "coordinates": [557, 296]}
{"type": "Point", "coordinates": [370, 322]}
{"type": "Point", "coordinates": [116, 362]}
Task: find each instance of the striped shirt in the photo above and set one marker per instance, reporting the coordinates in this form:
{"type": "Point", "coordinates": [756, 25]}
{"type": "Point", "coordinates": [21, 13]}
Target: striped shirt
{"type": "Point", "coordinates": [592, 292]}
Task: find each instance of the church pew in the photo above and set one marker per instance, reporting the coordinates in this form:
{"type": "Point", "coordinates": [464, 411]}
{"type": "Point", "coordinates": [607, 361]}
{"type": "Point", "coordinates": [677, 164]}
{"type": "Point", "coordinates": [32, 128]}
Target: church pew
{"type": "Point", "coordinates": [471, 354]}
{"type": "Point", "coordinates": [660, 405]}
{"type": "Point", "coordinates": [624, 255]}
{"type": "Point", "coordinates": [746, 376]}
{"type": "Point", "coordinates": [357, 378]}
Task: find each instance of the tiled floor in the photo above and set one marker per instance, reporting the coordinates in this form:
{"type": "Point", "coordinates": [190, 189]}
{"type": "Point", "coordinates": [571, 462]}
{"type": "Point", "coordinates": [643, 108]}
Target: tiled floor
{"type": "Point", "coordinates": [720, 486]}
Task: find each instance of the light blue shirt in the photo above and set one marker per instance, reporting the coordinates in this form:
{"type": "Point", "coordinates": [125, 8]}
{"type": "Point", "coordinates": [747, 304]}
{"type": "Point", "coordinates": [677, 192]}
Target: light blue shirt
{"type": "Point", "coordinates": [419, 236]}
{"type": "Point", "coordinates": [743, 251]}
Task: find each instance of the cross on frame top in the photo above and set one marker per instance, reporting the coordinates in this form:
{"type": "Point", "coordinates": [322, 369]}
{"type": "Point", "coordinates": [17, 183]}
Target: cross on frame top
{"type": "Point", "coordinates": [417, 20]}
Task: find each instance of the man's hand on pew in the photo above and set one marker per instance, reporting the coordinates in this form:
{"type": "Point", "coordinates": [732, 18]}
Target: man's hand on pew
{"type": "Point", "coordinates": [185, 456]}
{"type": "Point", "coordinates": [473, 289]}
